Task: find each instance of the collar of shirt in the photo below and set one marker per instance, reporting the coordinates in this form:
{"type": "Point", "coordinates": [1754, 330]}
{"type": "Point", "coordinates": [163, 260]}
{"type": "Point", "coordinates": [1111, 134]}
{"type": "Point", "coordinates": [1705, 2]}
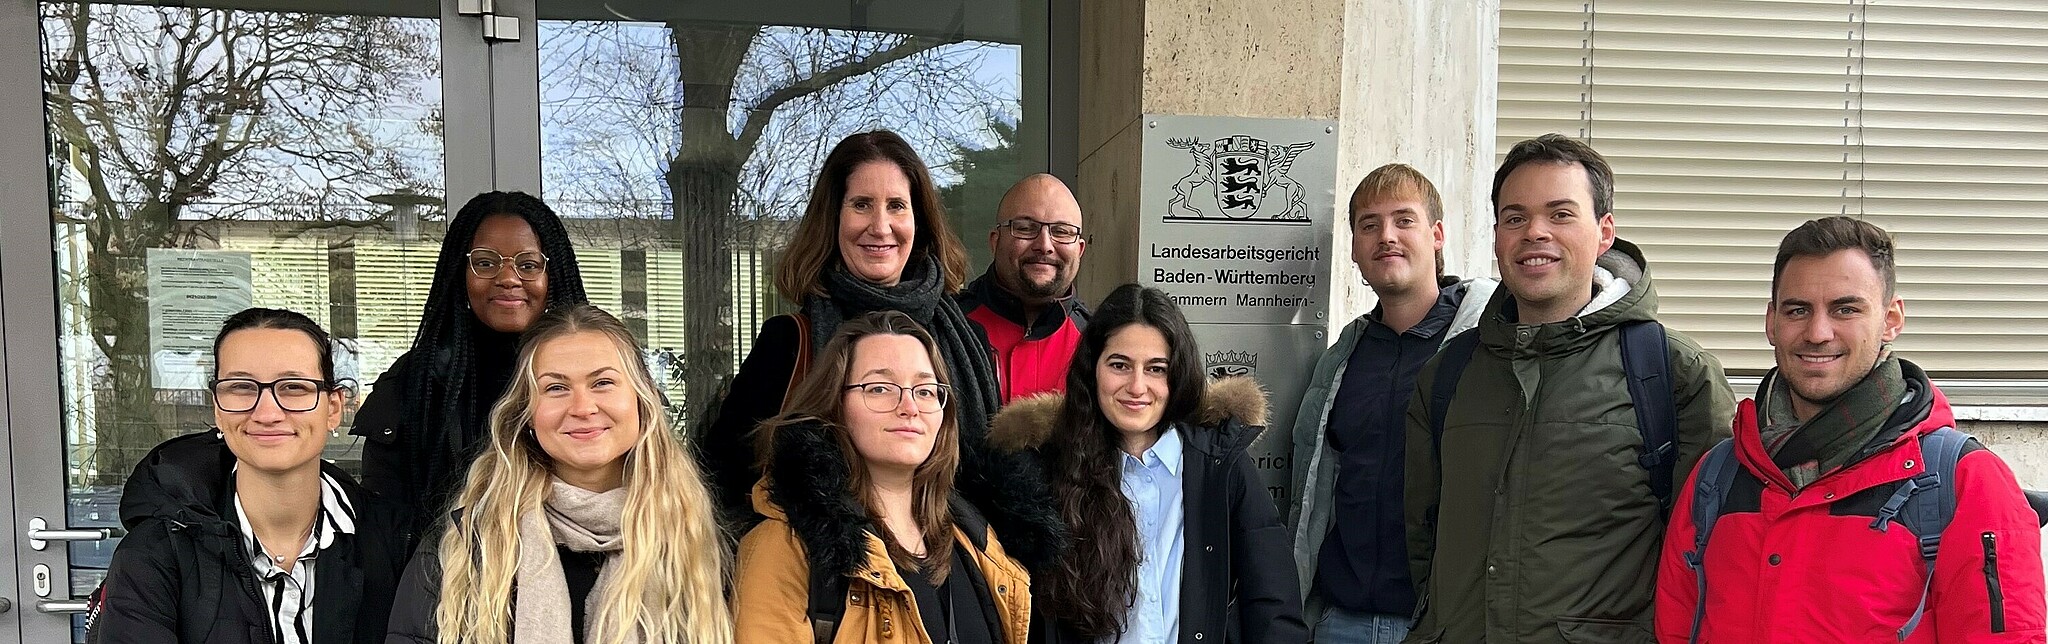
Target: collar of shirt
{"type": "Point", "coordinates": [336, 516]}
{"type": "Point", "coordinates": [1448, 295]}
{"type": "Point", "coordinates": [1166, 453]}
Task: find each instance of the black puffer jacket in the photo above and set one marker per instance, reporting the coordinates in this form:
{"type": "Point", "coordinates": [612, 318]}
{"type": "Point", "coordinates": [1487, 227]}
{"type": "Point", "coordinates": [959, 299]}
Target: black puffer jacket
{"type": "Point", "coordinates": [1237, 575]}
{"type": "Point", "coordinates": [181, 574]}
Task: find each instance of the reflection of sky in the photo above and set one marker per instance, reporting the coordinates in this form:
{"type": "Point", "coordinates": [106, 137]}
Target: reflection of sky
{"type": "Point", "coordinates": [610, 110]}
{"type": "Point", "coordinates": [307, 148]}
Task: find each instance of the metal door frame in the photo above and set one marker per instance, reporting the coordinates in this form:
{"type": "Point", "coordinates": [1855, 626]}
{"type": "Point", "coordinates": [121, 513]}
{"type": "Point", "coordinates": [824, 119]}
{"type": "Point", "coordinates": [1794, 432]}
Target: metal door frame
{"type": "Point", "coordinates": [32, 471]}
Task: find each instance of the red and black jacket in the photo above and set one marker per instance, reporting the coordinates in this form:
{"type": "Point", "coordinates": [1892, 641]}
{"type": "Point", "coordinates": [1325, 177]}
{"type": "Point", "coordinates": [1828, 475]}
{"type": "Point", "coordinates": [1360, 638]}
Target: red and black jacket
{"type": "Point", "coordinates": [1031, 357]}
{"type": "Point", "coordinates": [1806, 565]}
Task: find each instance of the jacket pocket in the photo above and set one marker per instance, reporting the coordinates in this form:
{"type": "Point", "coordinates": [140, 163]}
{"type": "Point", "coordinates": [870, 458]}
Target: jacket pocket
{"type": "Point", "coordinates": [1997, 595]}
{"type": "Point", "coordinates": [1586, 630]}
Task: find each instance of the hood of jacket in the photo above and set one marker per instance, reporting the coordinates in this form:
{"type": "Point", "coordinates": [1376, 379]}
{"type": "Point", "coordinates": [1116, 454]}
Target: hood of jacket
{"type": "Point", "coordinates": [1233, 411]}
{"type": "Point", "coordinates": [1923, 410]}
{"type": "Point", "coordinates": [1621, 264]}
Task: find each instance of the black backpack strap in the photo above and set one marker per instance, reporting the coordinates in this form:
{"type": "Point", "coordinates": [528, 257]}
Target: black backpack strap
{"type": "Point", "coordinates": [1925, 504]}
{"type": "Point", "coordinates": [828, 605]}
{"type": "Point", "coordinates": [1709, 492]}
{"type": "Point", "coordinates": [1645, 357]}
{"type": "Point", "coordinates": [1450, 368]}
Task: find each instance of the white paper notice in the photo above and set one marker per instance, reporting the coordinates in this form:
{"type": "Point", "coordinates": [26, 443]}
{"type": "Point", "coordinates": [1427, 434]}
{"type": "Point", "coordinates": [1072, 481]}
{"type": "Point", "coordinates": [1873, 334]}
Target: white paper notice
{"type": "Point", "coordinates": [190, 293]}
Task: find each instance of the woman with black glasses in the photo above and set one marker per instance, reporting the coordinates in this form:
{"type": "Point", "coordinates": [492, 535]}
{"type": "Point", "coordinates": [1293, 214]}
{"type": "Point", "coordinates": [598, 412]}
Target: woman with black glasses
{"type": "Point", "coordinates": [505, 259]}
{"type": "Point", "coordinates": [244, 534]}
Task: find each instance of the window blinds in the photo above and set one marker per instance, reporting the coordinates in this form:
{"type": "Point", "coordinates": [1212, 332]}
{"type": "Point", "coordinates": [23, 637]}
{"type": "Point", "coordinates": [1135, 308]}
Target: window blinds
{"type": "Point", "coordinates": [1730, 122]}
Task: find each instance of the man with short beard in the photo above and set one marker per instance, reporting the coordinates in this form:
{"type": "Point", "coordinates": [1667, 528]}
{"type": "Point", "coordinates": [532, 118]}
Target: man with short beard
{"type": "Point", "coordinates": [1026, 300]}
{"type": "Point", "coordinates": [1813, 503]}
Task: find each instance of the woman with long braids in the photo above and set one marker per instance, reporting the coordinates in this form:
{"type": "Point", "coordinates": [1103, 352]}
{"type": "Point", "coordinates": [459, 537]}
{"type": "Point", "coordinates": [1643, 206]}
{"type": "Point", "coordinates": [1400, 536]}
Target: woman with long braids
{"type": "Point", "coordinates": [505, 259]}
{"type": "Point", "coordinates": [874, 237]}
{"type": "Point", "coordinates": [865, 540]}
{"type": "Point", "coordinates": [583, 521]}
{"type": "Point", "coordinates": [1175, 538]}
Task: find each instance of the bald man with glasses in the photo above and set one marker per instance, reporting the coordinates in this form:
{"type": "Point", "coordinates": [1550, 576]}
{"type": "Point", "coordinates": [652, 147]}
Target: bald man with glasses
{"type": "Point", "coordinates": [1025, 301]}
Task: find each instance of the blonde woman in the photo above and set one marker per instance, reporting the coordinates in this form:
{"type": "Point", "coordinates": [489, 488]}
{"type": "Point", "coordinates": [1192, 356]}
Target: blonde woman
{"type": "Point", "coordinates": [864, 539]}
{"type": "Point", "coordinates": [583, 521]}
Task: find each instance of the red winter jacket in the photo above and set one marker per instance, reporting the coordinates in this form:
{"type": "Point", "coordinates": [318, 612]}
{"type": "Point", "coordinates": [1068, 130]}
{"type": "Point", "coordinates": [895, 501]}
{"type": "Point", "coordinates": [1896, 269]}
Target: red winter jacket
{"type": "Point", "coordinates": [1807, 567]}
{"type": "Point", "coordinates": [1032, 360]}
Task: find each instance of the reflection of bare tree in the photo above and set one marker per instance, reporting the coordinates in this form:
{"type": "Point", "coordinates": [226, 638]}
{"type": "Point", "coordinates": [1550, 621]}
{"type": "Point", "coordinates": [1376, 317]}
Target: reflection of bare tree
{"type": "Point", "coordinates": [723, 124]}
{"type": "Point", "coordinates": [165, 118]}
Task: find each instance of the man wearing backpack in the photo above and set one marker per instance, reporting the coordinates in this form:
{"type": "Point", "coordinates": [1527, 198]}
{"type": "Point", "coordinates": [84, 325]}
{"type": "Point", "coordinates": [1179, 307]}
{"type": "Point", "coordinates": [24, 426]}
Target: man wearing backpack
{"type": "Point", "coordinates": [1847, 507]}
{"type": "Point", "coordinates": [1542, 446]}
{"type": "Point", "coordinates": [1348, 435]}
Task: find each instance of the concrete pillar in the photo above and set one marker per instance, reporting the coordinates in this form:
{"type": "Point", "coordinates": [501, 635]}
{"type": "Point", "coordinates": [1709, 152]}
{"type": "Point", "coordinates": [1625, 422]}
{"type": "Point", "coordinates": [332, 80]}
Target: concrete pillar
{"type": "Point", "coordinates": [1419, 87]}
{"type": "Point", "coordinates": [1411, 81]}
{"type": "Point", "coordinates": [1186, 57]}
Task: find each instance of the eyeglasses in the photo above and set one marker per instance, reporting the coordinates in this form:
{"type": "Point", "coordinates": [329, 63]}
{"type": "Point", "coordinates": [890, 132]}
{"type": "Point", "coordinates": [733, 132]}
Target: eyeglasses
{"type": "Point", "coordinates": [1022, 228]}
{"type": "Point", "coordinates": [885, 397]}
{"type": "Point", "coordinates": [238, 395]}
{"type": "Point", "coordinates": [488, 264]}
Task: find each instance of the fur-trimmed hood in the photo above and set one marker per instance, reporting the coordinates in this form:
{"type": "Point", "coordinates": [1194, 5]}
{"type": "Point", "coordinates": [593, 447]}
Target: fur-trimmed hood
{"type": "Point", "coordinates": [815, 499]}
{"type": "Point", "coordinates": [1235, 408]}
{"type": "Point", "coordinates": [807, 485]}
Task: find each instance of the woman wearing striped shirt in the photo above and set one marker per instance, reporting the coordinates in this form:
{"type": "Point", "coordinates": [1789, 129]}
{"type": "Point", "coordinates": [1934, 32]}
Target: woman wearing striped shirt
{"type": "Point", "coordinates": [244, 534]}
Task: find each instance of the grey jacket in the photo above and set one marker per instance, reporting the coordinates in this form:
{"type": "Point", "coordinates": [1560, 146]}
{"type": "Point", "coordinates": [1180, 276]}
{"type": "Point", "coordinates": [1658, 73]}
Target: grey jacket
{"type": "Point", "coordinates": [1315, 464]}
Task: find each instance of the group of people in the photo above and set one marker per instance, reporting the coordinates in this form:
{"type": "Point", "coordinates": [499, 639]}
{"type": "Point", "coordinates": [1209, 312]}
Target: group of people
{"type": "Point", "coordinates": [913, 456]}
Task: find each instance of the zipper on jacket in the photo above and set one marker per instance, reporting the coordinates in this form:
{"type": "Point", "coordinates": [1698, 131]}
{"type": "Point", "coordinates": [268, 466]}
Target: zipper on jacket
{"type": "Point", "coordinates": [1991, 582]}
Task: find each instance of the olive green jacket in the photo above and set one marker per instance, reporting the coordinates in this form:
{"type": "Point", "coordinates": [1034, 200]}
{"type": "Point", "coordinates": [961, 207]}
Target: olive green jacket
{"type": "Point", "coordinates": [1535, 523]}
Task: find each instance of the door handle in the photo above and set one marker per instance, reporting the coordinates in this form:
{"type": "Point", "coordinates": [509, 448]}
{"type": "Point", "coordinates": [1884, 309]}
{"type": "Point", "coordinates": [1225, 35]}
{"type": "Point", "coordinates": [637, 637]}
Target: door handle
{"type": "Point", "coordinates": [61, 606]}
{"type": "Point", "coordinates": [40, 534]}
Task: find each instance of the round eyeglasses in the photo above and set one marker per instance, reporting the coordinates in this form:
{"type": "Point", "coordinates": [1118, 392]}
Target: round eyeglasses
{"type": "Point", "coordinates": [239, 395]}
{"type": "Point", "coordinates": [885, 397]}
{"type": "Point", "coordinates": [1023, 228]}
{"type": "Point", "coordinates": [488, 264]}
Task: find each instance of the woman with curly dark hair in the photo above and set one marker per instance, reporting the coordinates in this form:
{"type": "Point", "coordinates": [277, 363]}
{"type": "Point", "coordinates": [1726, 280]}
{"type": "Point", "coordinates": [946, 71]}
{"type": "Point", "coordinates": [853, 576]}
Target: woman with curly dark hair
{"type": "Point", "coordinates": [505, 259]}
{"type": "Point", "coordinates": [1174, 537]}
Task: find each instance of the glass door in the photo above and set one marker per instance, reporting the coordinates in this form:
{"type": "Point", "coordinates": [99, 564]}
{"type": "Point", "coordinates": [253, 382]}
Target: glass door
{"type": "Point", "coordinates": [680, 141]}
{"type": "Point", "coordinates": [196, 160]}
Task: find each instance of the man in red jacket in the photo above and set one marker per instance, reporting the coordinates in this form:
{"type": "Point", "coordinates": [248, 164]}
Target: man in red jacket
{"type": "Point", "coordinates": [1026, 299]}
{"type": "Point", "coordinates": [1808, 545]}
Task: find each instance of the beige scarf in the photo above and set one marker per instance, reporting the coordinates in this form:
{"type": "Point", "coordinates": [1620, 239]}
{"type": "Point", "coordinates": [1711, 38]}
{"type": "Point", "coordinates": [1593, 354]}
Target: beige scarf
{"type": "Point", "coordinates": [582, 521]}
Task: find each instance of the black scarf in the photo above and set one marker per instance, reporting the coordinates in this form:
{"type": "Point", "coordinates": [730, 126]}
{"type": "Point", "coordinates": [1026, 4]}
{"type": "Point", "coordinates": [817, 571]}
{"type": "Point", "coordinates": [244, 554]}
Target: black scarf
{"type": "Point", "coordinates": [922, 296]}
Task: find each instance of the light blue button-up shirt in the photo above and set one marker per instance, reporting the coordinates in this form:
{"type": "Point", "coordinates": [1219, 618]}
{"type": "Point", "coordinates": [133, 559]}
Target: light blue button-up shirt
{"type": "Point", "coordinates": [1153, 484]}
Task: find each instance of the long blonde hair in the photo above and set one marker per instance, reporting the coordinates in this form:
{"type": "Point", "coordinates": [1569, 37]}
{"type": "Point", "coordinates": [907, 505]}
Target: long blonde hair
{"type": "Point", "coordinates": [670, 584]}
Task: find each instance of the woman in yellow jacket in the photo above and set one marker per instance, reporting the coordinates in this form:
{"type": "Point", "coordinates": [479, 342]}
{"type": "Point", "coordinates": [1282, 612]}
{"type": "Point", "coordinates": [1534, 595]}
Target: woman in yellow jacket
{"type": "Point", "coordinates": [864, 539]}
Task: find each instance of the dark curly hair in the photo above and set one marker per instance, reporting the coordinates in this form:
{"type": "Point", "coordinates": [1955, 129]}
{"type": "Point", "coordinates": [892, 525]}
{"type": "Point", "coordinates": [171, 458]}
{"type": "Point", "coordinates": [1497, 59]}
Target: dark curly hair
{"type": "Point", "coordinates": [1090, 590]}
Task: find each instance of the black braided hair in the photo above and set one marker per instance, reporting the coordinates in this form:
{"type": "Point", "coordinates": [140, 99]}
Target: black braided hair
{"type": "Point", "coordinates": [444, 398]}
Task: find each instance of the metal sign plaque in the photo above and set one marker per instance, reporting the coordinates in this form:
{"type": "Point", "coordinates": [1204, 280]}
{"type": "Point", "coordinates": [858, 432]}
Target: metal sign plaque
{"type": "Point", "coordinates": [1235, 216]}
{"type": "Point", "coordinates": [1281, 358]}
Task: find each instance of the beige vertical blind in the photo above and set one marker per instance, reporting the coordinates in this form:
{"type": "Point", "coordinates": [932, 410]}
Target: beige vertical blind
{"type": "Point", "coordinates": [1730, 122]}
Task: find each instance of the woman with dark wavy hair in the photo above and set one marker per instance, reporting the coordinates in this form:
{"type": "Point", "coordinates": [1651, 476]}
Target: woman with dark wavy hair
{"type": "Point", "coordinates": [874, 237]}
{"type": "Point", "coordinates": [505, 259]}
{"type": "Point", "coordinates": [865, 540]}
{"type": "Point", "coordinates": [1174, 536]}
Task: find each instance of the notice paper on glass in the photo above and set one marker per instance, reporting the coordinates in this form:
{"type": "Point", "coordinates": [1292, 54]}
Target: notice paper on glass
{"type": "Point", "coordinates": [190, 293]}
